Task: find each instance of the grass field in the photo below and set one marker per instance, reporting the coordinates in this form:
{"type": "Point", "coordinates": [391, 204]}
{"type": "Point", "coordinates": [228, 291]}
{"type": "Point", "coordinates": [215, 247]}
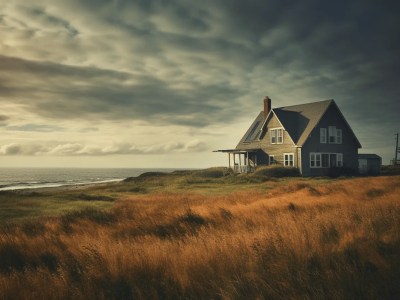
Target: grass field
{"type": "Point", "coordinates": [204, 235]}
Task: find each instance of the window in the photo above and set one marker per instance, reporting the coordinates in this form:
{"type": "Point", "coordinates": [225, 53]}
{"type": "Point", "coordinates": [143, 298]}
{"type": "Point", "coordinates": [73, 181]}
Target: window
{"type": "Point", "coordinates": [280, 136]}
{"type": "Point", "coordinates": [332, 134]}
{"type": "Point", "coordinates": [273, 136]}
{"type": "Point", "coordinates": [338, 136]}
{"type": "Point", "coordinates": [322, 135]}
{"type": "Point", "coordinates": [315, 160]}
{"type": "Point", "coordinates": [312, 160]}
{"type": "Point", "coordinates": [288, 159]}
{"type": "Point", "coordinates": [335, 135]}
{"type": "Point", "coordinates": [271, 159]}
{"type": "Point", "coordinates": [339, 160]}
{"type": "Point", "coordinates": [277, 136]}
{"type": "Point", "coordinates": [326, 160]}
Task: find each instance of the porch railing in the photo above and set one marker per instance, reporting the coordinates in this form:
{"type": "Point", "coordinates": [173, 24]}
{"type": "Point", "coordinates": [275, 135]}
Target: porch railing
{"type": "Point", "coordinates": [243, 169]}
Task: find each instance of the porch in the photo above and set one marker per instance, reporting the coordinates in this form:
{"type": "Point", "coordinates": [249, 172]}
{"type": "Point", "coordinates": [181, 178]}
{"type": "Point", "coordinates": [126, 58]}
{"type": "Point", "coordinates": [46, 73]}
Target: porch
{"type": "Point", "coordinates": [241, 161]}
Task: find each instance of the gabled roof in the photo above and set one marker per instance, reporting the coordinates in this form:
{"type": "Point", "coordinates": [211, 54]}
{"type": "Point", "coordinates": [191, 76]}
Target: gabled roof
{"type": "Point", "coordinates": [298, 120]}
{"type": "Point", "coordinates": [251, 137]}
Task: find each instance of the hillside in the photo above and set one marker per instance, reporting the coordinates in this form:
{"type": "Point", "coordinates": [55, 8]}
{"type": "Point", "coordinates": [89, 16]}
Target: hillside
{"type": "Point", "coordinates": [204, 234]}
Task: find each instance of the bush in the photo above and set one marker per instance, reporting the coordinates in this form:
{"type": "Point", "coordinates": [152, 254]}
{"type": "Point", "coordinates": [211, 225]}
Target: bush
{"type": "Point", "coordinates": [88, 197]}
{"type": "Point", "coordinates": [343, 171]}
{"type": "Point", "coordinates": [277, 171]}
{"type": "Point", "coordinates": [88, 213]}
{"type": "Point", "coordinates": [216, 172]}
{"type": "Point", "coordinates": [11, 258]}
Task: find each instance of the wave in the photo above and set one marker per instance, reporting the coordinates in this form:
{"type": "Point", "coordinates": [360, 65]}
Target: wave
{"type": "Point", "coordinates": [46, 184]}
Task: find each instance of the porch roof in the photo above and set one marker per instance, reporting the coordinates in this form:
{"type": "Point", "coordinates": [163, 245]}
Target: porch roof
{"type": "Point", "coordinates": [237, 150]}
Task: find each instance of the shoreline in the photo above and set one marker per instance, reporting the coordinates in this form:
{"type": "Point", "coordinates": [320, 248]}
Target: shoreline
{"type": "Point", "coordinates": [12, 188]}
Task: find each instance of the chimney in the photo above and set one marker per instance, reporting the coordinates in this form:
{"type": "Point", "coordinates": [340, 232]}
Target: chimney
{"type": "Point", "coordinates": [267, 105]}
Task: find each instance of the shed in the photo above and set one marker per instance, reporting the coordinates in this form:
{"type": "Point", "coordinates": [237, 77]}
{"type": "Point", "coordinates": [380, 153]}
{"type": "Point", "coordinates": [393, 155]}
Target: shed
{"type": "Point", "coordinates": [369, 164]}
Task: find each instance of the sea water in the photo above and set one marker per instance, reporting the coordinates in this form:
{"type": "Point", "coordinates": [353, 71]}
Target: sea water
{"type": "Point", "coordinates": [23, 178]}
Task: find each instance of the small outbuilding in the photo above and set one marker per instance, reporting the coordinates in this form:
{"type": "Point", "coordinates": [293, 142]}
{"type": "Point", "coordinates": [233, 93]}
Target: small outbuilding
{"type": "Point", "coordinates": [369, 164]}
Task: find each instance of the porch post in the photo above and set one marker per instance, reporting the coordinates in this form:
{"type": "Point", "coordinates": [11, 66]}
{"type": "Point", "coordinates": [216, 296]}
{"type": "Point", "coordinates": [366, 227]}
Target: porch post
{"type": "Point", "coordinates": [229, 159]}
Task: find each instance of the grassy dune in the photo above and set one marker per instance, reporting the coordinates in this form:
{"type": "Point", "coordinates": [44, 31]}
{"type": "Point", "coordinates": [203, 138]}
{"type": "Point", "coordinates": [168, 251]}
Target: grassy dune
{"type": "Point", "coordinates": [208, 235]}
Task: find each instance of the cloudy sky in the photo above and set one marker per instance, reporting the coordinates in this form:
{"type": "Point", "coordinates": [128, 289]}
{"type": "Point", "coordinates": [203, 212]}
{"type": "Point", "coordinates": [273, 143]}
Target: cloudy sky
{"type": "Point", "coordinates": [163, 83]}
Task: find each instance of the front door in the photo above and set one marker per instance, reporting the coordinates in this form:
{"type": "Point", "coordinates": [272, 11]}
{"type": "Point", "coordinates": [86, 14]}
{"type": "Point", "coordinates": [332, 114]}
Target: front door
{"type": "Point", "coordinates": [332, 160]}
{"type": "Point", "coordinates": [362, 166]}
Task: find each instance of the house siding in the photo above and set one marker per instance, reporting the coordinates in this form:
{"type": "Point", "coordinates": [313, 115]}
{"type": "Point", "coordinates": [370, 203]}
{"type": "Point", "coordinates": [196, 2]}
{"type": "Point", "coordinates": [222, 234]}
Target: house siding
{"type": "Point", "coordinates": [277, 150]}
{"type": "Point", "coordinates": [348, 147]}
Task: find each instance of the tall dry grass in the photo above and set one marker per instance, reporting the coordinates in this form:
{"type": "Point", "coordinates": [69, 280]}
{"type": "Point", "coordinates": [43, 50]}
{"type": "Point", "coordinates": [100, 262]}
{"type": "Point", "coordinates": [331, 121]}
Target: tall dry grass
{"type": "Point", "coordinates": [337, 240]}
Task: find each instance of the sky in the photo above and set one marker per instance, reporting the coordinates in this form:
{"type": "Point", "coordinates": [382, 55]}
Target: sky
{"type": "Point", "coordinates": [164, 83]}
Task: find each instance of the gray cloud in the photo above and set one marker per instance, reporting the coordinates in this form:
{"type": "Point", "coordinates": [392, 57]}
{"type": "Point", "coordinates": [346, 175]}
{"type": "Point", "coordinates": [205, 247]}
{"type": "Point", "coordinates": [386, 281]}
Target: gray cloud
{"type": "Point", "coordinates": [80, 149]}
{"type": "Point", "coordinates": [35, 127]}
{"type": "Point", "coordinates": [56, 91]}
{"type": "Point", "coordinates": [203, 63]}
{"type": "Point", "coordinates": [3, 118]}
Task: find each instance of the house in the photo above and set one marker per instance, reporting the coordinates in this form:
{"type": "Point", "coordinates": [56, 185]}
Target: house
{"type": "Point", "coordinates": [313, 137]}
{"type": "Point", "coordinates": [369, 164]}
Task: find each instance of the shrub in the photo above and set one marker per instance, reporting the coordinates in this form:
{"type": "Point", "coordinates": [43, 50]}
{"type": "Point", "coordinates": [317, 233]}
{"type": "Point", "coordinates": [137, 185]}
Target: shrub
{"type": "Point", "coordinates": [33, 228]}
{"type": "Point", "coordinates": [88, 197]}
{"type": "Point", "coordinates": [292, 206]}
{"type": "Point", "coordinates": [343, 171]}
{"type": "Point", "coordinates": [373, 193]}
{"type": "Point", "coordinates": [186, 224]}
{"type": "Point", "coordinates": [216, 172]}
{"type": "Point", "coordinates": [277, 171]}
{"type": "Point", "coordinates": [88, 213]}
{"type": "Point", "coordinates": [11, 258]}
{"type": "Point", "coordinates": [138, 189]}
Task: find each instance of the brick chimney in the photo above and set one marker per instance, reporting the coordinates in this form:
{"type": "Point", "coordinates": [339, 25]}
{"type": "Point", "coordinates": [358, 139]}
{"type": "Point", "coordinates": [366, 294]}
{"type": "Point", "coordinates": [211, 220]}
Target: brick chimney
{"type": "Point", "coordinates": [267, 105]}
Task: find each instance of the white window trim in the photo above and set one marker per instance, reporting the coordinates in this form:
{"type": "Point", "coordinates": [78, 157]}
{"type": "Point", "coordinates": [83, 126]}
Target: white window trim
{"type": "Point", "coordinates": [276, 130]}
{"type": "Point", "coordinates": [322, 135]}
{"type": "Point", "coordinates": [339, 157]}
{"type": "Point", "coordinates": [339, 137]}
{"type": "Point", "coordinates": [332, 133]}
{"type": "Point", "coordinates": [284, 159]}
{"type": "Point", "coordinates": [273, 159]}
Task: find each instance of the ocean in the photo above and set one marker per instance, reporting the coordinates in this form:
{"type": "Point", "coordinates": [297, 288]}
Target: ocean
{"type": "Point", "coordinates": [24, 178]}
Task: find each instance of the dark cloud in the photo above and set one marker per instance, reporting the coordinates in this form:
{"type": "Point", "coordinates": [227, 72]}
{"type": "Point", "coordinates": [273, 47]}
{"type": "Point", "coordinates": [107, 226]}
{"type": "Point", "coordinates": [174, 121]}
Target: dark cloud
{"type": "Point", "coordinates": [205, 63]}
{"type": "Point", "coordinates": [56, 91]}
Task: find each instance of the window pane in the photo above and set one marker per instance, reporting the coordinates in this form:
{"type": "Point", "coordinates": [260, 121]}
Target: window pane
{"type": "Point", "coordinates": [323, 135]}
{"type": "Point", "coordinates": [280, 136]}
{"type": "Point", "coordinates": [318, 159]}
{"type": "Point", "coordinates": [339, 136]}
{"type": "Point", "coordinates": [332, 134]}
{"type": "Point", "coordinates": [339, 160]}
{"type": "Point", "coordinates": [273, 136]}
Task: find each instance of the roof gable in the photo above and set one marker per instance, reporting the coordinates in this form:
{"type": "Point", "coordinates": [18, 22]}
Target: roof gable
{"type": "Point", "coordinates": [298, 120]}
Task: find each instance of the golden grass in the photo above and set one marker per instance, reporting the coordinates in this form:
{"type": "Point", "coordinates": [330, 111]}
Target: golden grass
{"type": "Point", "coordinates": [302, 240]}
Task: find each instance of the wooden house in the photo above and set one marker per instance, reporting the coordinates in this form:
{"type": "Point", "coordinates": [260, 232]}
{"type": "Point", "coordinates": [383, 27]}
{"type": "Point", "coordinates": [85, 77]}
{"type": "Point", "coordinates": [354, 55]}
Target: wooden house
{"type": "Point", "coordinates": [313, 137]}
